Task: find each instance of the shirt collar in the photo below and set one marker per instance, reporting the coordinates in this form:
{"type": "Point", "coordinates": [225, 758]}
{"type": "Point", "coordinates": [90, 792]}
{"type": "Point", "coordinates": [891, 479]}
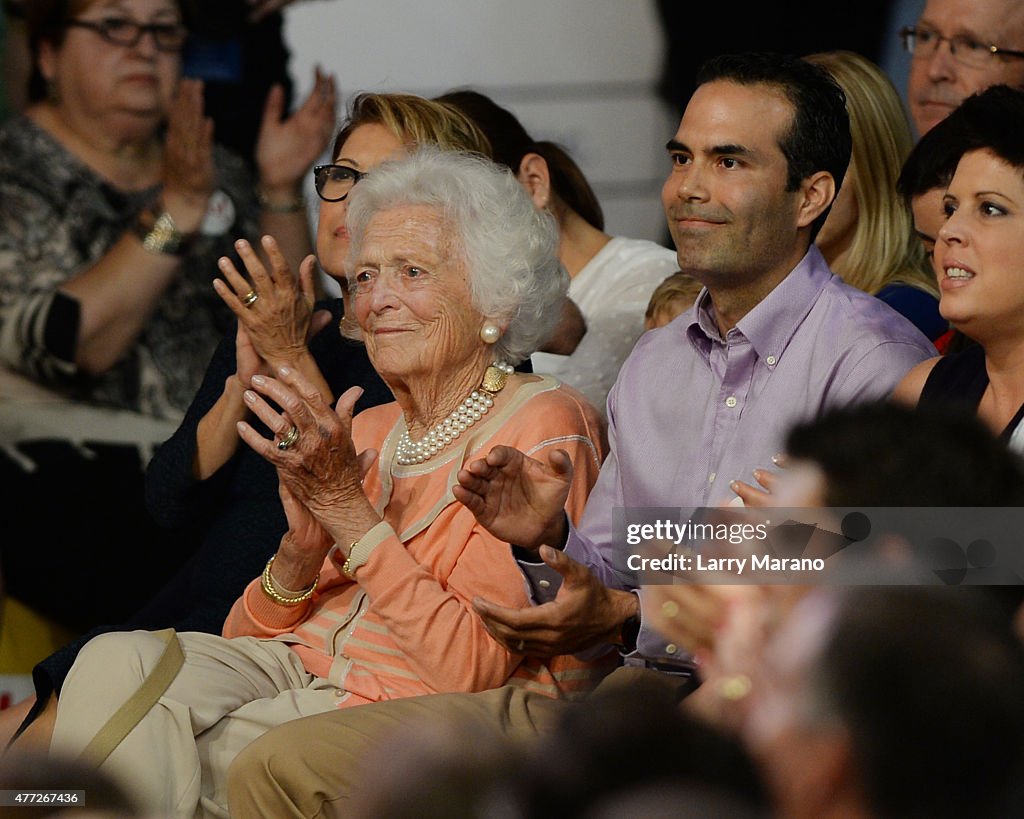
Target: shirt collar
{"type": "Point", "coordinates": [772, 323]}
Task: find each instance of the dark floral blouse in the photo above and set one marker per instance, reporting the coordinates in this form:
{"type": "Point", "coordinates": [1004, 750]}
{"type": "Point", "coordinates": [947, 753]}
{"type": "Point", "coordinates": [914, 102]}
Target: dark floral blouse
{"type": "Point", "coordinates": [58, 217]}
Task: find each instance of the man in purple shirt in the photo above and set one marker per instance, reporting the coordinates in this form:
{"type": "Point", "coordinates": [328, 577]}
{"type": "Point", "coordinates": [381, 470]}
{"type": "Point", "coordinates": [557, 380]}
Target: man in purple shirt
{"type": "Point", "coordinates": [774, 338]}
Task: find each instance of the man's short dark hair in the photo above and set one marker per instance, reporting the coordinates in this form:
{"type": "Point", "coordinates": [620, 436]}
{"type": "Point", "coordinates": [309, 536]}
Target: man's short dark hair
{"type": "Point", "coordinates": [886, 454]}
{"type": "Point", "coordinates": [819, 138]}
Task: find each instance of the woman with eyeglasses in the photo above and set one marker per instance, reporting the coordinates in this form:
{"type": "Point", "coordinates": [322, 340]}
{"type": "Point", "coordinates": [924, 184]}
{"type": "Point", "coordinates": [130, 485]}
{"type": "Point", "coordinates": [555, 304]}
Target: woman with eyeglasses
{"type": "Point", "coordinates": [115, 205]}
{"type": "Point", "coordinates": [217, 495]}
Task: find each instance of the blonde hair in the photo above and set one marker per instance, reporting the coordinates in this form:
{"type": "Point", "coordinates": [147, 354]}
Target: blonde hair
{"type": "Point", "coordinates": [416, 121]}
{"type": "Point", "coordinates": [676, 294]}
{"type": "Point", "coordinates": [884, 248]}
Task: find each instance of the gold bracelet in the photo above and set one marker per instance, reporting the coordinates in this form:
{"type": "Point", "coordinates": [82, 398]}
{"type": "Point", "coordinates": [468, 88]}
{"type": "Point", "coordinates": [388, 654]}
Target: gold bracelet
{"type": "Point", "coordinates": [292, 206]}
{"type": "Point", "coordinates": [346, 567]}
{"type": "Point", "coordinates": [267, 583]}
{"type": "Point", "coordinates": [159, 234]}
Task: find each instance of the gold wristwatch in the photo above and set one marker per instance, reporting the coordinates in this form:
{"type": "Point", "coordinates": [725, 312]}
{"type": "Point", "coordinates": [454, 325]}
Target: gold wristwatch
{"type": "Point", "coordinates": [159, 233]}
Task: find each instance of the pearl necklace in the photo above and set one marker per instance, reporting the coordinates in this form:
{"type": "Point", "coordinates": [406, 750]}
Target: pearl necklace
{"type": "Point", "coordinates": [475, 407]}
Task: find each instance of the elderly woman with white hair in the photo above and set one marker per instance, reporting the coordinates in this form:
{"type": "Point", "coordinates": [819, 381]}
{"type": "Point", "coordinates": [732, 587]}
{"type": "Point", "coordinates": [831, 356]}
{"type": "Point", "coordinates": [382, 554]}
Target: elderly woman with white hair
{"type": "Point", "coordinates": [453, 277]}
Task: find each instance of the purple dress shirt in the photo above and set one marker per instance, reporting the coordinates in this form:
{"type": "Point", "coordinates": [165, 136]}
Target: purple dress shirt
{"type": "Point", "coordinates": [692, 411]}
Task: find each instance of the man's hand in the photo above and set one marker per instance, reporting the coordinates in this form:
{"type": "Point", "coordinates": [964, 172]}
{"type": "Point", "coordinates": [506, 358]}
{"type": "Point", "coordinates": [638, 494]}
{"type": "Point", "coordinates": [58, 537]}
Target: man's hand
{"type": "Point", "coordinates": [583, 614]}
{"type": "Point", "coordinates": [516, 498]}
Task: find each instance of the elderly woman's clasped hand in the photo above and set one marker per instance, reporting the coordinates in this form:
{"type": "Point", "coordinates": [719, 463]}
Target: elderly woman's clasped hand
{"type": "Point", "coordinates": [313, 452]}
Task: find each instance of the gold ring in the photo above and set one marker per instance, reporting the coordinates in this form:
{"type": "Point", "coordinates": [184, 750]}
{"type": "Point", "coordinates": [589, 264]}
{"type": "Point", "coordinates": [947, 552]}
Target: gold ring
{"type": "Point", "coordinates": [289, 439]}
{"type": "Point", "coordinates": [250, 298]}
{"type": "Point", "coordinates": [735, 686]}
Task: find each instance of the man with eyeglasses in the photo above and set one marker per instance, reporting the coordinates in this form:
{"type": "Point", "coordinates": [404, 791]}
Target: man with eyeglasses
{"type": "Point", "coordinates": [959, 48]}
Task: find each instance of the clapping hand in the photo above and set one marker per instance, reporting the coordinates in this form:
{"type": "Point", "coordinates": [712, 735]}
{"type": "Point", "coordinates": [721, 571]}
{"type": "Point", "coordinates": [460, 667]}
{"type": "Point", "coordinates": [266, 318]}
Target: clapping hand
{"type": "Point", "coordinates": [726, 629]}
{"type": "Point", "coordinates": [189, 175]}
{"type": "Point", "coordinates": [305, 531]}
{"type": "Point", "coordinates": [273, 306]}
{"type": "Point", "coordinates": [287, 148]}
{"type": "Point", "coordinates": [518, 499]}
{"type": "Point", "coordinates": [312, 450]}
{"type": "Point", "coordinates": [759, 496]}
{"type": "Point", "coordinates": [583, 614]}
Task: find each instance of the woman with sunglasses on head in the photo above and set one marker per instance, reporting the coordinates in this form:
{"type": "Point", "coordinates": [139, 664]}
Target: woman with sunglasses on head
{"type": "Point", "coordinates": [115, 204]}
{"type": "Point", "coordinates": [216, 494]}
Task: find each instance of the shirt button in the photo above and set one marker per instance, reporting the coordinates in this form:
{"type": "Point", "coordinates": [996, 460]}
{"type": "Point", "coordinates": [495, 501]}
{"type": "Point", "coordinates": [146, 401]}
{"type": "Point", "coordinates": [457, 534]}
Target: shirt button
{"type": "Point", "coordinates": [671, 648]}
{"type": "Point", "coordinates": [544, 583]}
{"type": "Point", "coordinates": [730, 402]}
{"type": "Point", "coordinates": [712, 476]}
{"type": "Point", "coordinates": [339, 693]}
{"type": "Point", "coordinates": [770, 361]}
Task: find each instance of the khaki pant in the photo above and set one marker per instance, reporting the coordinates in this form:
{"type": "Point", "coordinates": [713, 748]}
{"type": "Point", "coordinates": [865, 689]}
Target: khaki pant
{"type": "Point", "coordinates": [312, 767]}
{"type": "Point", "coordinates": [227, 694]}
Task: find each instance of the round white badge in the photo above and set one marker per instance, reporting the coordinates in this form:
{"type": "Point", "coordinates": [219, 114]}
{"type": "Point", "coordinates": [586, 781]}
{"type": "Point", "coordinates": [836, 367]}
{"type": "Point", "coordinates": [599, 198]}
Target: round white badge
{"type": "Point", "coordinates": [220, 214]}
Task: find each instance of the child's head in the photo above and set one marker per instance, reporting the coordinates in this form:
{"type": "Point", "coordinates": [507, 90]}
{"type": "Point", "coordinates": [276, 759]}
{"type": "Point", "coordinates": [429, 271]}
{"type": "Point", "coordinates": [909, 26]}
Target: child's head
{"type": "Point", "coordinates": [675, 294]}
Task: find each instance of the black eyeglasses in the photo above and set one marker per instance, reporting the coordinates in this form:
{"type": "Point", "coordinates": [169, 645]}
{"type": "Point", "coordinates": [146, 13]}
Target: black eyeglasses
{"type": "Point", "coordinates": [924, 42]}
{"type": "Point", "coordinates": [335, 182]}
{"type": "Point", "coordinates": [124, 32]}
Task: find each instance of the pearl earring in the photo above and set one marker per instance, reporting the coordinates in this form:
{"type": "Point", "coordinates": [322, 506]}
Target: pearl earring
{"type": "Point", "coordinates": [490, 333]}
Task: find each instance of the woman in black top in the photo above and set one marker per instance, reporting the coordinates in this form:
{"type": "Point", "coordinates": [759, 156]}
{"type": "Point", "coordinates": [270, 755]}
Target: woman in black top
{"type": "Point", "coordinates": [978, 258]}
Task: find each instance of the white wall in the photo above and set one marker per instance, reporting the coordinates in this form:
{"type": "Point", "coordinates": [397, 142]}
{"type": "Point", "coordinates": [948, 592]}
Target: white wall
{"type": "Point", "coordinates": [579, 72]}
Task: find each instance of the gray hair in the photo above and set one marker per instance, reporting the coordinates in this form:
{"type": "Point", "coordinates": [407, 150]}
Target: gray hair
{"type": "Point", "coordinates": [510, 246]}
